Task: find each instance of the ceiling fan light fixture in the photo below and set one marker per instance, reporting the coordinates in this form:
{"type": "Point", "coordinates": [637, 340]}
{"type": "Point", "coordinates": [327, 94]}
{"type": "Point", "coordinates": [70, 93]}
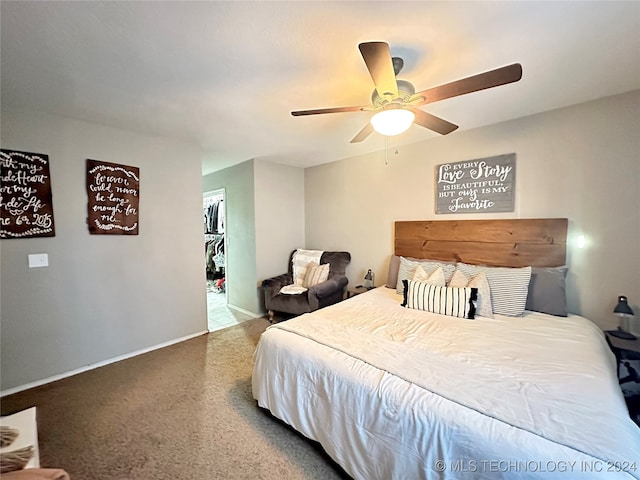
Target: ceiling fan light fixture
{"type": "Point", "coordinates": [394, 120]}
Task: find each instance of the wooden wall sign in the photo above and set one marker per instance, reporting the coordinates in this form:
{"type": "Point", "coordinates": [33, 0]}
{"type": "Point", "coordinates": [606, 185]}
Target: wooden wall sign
{"type": "Point", "coordinates": [114, 192]}
{"type": "Point", "coordinates": [477, 186]}
{"type": "Point", "coordinates": [26, 204]}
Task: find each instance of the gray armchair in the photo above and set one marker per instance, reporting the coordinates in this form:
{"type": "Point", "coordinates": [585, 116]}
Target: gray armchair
{"type": "Point", "coordinates": [322, 295]}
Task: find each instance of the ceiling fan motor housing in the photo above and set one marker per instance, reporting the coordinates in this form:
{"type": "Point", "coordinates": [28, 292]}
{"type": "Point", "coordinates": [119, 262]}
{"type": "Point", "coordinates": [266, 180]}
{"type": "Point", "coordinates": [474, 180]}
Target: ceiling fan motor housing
{"type": "Point", "coordinates": [405, 92]}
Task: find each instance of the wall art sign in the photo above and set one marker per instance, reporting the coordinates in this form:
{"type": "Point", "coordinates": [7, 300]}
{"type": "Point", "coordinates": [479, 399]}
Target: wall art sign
{"type": "Point", "coordinates": [477, 186]}
{"type": "Point", "coordinates": [114, 192]}
{"type": "Point", "coordinates": [26, 204]}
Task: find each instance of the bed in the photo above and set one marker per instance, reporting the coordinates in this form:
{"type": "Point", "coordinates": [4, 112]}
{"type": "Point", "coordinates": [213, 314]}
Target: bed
{"type": "Point", "coordinates": [392, 392]}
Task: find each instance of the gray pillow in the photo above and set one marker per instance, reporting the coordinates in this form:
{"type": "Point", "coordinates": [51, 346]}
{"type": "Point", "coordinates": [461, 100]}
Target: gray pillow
{"type": "Point", "coordinates": [547, 291]}
{"type": "Point", "coordinates": [392, 276]}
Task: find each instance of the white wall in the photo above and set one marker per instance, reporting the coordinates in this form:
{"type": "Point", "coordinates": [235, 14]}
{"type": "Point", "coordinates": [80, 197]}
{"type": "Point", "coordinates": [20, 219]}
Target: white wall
{"type": "Point", "coordinates": [102, 296]}
{"type": "Point", "coordinates": [581, 162]}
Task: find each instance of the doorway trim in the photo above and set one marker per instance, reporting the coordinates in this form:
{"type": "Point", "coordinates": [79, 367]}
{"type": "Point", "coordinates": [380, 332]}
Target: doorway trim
{"type": "Point", "coordinates": [219, 192]}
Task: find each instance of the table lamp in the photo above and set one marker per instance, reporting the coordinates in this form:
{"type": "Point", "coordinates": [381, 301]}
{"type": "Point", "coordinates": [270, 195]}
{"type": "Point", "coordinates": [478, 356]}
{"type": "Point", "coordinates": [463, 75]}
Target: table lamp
{"type": "Point", "coordinates": [368, 280]}
{"type": "Point", "coordinates": [623, 310]}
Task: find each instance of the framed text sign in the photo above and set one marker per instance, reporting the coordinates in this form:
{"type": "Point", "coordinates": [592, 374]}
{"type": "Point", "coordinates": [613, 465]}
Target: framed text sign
{"type": "Point", "coordinates": [26, 204]}
{"type": "Point", "coordinates": [477, 186]}
{"type": "Point", "coordinates": [114, 192]}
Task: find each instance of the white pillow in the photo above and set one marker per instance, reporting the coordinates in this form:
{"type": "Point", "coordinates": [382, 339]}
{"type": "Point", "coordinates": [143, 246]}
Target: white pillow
{"type": "Point", "coordinates": [435, 278]}
{"type": "Point", "coordinates": [509, 287]}
{"type": "Point", "coordinates": [483, 304]}
{"type": "Point", "coordinates": [315, 274]}
{"type": "Point", "coordinates": [408, 267]}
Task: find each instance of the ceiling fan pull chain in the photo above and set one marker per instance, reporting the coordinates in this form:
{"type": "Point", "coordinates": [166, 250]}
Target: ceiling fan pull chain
{"type": "Point", "coordinates": [386, 150]}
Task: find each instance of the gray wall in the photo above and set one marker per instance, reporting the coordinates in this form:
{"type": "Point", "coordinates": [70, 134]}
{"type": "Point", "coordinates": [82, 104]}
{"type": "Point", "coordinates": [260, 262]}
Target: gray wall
{"type": "Point", "coordinates": [581, 162]}
{"type": "Point", "coordinates": [264, 223]}
{"type": "Point", "coordinates": [240, 233]}
{"type": "Point", "coordinates": [279, 216]}
{"type": "Point", "coordinates": [102, 296]}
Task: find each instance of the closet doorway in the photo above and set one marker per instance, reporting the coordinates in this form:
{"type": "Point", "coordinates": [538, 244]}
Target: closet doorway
{"type": "Point", "coordinates": [215, 245]}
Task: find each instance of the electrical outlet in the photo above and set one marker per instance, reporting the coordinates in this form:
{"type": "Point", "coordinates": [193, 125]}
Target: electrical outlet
{"type": "Point", "coordinates": [38, 260]}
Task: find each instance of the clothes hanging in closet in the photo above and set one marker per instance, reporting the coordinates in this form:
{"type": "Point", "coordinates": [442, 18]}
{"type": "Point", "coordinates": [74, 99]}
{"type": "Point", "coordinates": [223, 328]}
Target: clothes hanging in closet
{"type": "Point", "coordinates": [214, 216]}
{"type": "Point", "coordinates": [214, 249]}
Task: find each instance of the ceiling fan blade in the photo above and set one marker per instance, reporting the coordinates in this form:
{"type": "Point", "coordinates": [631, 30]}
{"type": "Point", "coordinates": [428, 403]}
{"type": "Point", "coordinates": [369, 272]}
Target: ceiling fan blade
{"type": "Point", "coordinates": [362, 134]}
{"type": "Point", "coordinates": [482, 81]}
{"type": "Point", "coordinates": [377, 57]}
{"type": "Point", "coordinates": [327, 110]}
{"type": "Point", "coordinates": [432, 122]}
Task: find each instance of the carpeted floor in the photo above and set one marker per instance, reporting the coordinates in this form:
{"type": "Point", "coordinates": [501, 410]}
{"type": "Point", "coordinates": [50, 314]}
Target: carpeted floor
{"type": "Point", "coordinates": [181, 412]}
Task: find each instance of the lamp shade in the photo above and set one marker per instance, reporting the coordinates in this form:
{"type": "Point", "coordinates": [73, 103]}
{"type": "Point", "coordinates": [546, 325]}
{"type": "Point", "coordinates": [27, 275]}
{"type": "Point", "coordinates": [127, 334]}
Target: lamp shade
{"type": "Point", "coordinates": [623, 307]}
{"type": "Point", "coordinates": [392, 121]}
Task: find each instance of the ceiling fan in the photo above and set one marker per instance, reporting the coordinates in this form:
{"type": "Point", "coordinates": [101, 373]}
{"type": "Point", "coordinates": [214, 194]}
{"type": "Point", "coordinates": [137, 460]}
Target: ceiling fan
{"type": "Point", "coordinates": [396, 101]}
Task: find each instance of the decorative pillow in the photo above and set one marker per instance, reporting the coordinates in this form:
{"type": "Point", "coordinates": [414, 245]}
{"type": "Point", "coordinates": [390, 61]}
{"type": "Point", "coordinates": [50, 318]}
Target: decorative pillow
{"type": "Point", "coordinates": [19, 448]}
{"type": "Point", "coordinates": [7, 435]}
{"type": "Point", "coordinates": [408, 267]}
{"type": "Point", "coordinates": [435, 278]}
{"type": "Point", "coordinates": [547, 291]}
{"type": "Point", "coordinates": [16, 459]}
{"type": "Point", "coordinates": [455, 302]}
{"type": "Point", "coordinates": [37, 474]}
{"type": "Point", "coordinates": [315, 274]}
{"type": "Point", "coordinates": [483, 305]}
{"type": "Point", "coordinates": [299, 262]}
{"type": "Point", "coordinates": [509, 286]}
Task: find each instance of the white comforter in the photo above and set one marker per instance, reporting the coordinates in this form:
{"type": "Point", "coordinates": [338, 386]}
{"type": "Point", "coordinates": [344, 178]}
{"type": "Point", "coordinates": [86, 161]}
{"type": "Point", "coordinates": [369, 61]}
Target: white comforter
{"type": "Point", "coordinates": [394, 393]}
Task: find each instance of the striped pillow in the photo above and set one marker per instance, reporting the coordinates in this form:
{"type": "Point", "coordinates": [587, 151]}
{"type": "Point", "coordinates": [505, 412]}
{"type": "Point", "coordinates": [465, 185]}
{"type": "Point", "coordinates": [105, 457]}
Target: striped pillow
{"type": "Point", "coordinates": [509, 286]}
{"type": "Point", "coordinates": [315, 274]}
{"type": "Point", "coordinates": [300, 261]}
{"type": "Point", "coordinates": [455, 302]}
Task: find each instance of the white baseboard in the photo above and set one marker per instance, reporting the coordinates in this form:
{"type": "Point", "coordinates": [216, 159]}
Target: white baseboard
{"type": "Point", "coordinates": [246, 312]}
{"type": "Point", "coordinates": [92, 366]}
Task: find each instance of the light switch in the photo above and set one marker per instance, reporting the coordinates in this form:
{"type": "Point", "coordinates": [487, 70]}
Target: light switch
{"type": "Point", "coordinates": [38, 260]}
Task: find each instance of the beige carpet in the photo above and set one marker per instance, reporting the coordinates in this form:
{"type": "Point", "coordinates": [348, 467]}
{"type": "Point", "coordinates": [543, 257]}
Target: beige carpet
{"type": "Point", "coordinates": [182, 412]}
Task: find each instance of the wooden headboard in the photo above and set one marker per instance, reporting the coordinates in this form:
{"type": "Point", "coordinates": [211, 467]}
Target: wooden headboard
{"type": "Point", "coordinates": [539, 242]}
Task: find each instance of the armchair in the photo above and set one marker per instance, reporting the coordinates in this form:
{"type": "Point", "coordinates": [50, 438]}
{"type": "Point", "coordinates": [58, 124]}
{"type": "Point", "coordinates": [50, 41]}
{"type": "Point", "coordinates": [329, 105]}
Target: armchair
{"type": "Point", "coordinates": [318, 296]}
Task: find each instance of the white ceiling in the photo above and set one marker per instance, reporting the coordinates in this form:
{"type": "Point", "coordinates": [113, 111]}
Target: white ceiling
{"type": "Point", "coordinates": [226, 75]}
